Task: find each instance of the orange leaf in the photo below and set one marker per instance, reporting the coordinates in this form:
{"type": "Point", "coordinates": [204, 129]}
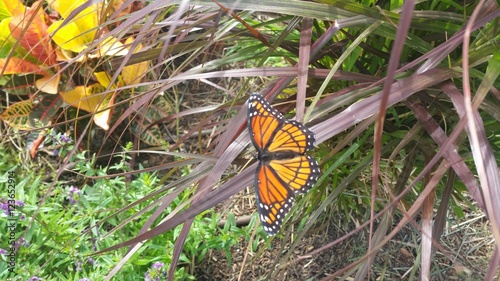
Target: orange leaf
{"type": "Point", "coordinates": [20, 66]}
{"type": "Point", "coordinates": [31, 31]}
{"type": "Point", "coordinates": [36, 143]}
{"type": "Point", "coordinates": [48, 84]}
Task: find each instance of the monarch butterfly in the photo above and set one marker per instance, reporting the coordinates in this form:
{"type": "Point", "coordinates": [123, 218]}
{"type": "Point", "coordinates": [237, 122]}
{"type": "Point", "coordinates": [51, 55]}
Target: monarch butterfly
{"type": "Point", "coordinates": [284, 170]}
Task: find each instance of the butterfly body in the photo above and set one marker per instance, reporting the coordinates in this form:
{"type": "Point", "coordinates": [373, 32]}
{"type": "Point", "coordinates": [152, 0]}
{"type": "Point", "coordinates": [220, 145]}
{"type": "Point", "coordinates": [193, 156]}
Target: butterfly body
{"type": "Point", "coordinates": [284, 170]}
{"type": "Point", "coordinates": [266, 156]}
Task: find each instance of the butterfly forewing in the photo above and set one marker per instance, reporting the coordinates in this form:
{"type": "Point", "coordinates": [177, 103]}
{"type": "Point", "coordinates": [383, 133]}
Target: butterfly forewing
{"type": "Point", "coordinates": [263, 129]}
{"type": "Point", "coordinates": [263, 121]}
{"type": "Point", "coordinates": [293, 136]}
{"type": "Point", "coordinates": [271, 131]}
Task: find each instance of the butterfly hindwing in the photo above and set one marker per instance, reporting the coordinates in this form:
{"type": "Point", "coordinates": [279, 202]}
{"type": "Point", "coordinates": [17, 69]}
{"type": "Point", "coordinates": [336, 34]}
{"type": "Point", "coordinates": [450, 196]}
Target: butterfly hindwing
{"type": "Point", "coordinates": [274, 200]}
{"type": "Point", "coordinates": [276, 184]}
{"type": "Point", "coordinates": [299, 174]}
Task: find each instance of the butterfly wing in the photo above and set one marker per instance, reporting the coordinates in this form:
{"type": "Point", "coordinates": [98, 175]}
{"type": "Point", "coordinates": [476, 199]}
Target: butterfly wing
{"type": "Point", "coordinates": [283, 169]}
{"type": "Point", "coordinates": [263, 122]}
{"type": "Point", "coordinates": [292, 136]}
{"type": "Point", "coordinates": [298, 174]}
{"type": "Point", "coordinates": [271, 132]}
{"type": "Point", "coordinates": [276, 182]}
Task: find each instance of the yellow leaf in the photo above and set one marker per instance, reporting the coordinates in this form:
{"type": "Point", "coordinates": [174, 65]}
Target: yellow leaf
{"type": "Point", "coordinates": [49, 84]}
{"type": "Point", "coordinates": [80, 31]}
{"type": "Point", "coordinates": [134, 73]}
{"type": "Point", "coordinates": [91, 99]}
{"type": "Point", "coordinates": [101, 118]}
{"type": "Point", "coordinates": [65, 7]}
{"type": "Point", "coordinates": [10, 8]}
{"type": "Point", "coordinates": [17, 115]}
{"type": "Point", "coordinates": [104, 79]}
{"type": "Point", "coordinates": [85, 98]}
{"type": "Point", "coordinates": [111, 47]}
{"type": "Point", "coordinates": [68, 37]}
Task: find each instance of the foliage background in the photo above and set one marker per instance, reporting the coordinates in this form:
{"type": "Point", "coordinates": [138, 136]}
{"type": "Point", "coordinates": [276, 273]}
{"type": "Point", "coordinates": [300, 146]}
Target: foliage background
{"type": "Point", "coordinates": [403, 98]}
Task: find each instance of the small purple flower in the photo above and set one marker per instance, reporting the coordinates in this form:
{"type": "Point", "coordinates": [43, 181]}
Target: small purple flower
{"type": "Point", "coordinates": [3, 251]}
{"type": "Point", "coordinates": [35, 278]}
{"type": "Point", "coordinates": [21, 242]}
{"type": "Point", "coordinates": [66, 139]}
{"type": "Point", "coordinates": [94, 242]}
{"type": "Point", "coordinates": [79, 266]}
{"type": "Point", "coordinates": [156, 272]}
{"type": "Point", "coordinates": [5, 207]}
{"type": "Point", "coordinates": [158, 265]}
{"type": "Point", "coordinates": [84, 279]}
{"type": "Point", "coordinates": [90, 261]}
{"type": "Point", "coordinates": [73, 194]}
